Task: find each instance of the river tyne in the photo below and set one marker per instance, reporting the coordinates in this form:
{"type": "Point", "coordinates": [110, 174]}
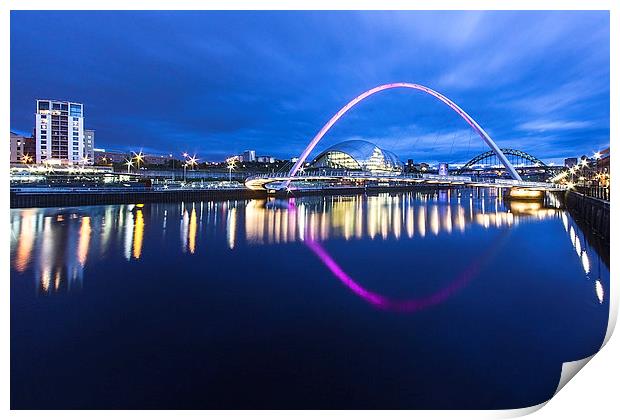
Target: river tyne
{"type": "Point", "coordinates": [434, 300]}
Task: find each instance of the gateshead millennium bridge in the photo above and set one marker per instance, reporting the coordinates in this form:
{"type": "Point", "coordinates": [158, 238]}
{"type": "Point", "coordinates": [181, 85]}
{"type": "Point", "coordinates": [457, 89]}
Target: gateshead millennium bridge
{"type": "Point", "coordinates": [296, 175]}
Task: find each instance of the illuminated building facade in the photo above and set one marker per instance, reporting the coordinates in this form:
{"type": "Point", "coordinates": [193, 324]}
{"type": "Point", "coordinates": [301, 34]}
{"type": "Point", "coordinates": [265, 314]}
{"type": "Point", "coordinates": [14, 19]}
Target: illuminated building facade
{"type": "Point", "coordinates": [358, 155]}
{"type": "Point", "coordinates": [59, 128]}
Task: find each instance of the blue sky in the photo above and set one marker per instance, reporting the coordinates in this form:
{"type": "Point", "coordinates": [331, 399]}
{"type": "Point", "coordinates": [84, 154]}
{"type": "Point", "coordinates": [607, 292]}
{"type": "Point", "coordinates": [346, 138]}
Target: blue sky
{"type": "Point", "coordinates": [218, 83]}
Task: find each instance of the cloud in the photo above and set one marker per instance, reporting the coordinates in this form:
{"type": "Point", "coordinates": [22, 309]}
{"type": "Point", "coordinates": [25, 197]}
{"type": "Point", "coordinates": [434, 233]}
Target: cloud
{"type": "Point", "coordinates": [551, 125]}
{"type": "Point", "coordinates": [217, 83]}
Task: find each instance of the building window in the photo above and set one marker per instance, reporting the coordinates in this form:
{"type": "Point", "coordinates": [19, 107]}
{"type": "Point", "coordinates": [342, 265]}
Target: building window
{"type": "Point", "coordinates": [76, 110]}
{"type": "Point", "coordinates": [44, 106]}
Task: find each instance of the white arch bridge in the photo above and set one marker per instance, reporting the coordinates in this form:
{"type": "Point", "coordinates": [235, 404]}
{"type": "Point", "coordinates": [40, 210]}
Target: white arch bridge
{"type": "Point", "coordinates": [282, 181]}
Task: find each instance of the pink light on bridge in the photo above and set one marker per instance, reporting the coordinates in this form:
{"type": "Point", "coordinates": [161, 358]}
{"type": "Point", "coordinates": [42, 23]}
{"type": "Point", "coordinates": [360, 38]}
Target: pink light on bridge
{"type": "Point", "coordinates": [479, 130]}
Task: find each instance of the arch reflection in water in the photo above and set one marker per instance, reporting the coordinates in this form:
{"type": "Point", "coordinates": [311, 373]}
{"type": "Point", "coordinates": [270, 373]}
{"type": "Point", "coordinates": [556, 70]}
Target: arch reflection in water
{"type": "Point", "coordinates": [401, 305]}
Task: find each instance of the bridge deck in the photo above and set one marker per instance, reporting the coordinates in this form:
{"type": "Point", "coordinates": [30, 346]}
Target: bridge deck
{"type": "Point", "coordinates": [261, 182]}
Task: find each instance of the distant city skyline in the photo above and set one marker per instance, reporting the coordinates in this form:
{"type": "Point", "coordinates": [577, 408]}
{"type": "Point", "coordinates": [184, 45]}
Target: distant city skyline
{"type": "Point", "coordinates": [219, 83]}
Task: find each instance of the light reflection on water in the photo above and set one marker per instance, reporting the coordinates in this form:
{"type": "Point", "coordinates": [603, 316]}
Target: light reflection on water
{"type": "Point", "coordinates": [57, 243]}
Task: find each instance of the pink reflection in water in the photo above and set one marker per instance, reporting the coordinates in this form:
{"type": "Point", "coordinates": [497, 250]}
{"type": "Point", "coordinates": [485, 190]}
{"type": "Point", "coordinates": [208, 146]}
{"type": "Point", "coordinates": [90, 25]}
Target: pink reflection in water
{"type": "Point", "coordinates": [408, 305]}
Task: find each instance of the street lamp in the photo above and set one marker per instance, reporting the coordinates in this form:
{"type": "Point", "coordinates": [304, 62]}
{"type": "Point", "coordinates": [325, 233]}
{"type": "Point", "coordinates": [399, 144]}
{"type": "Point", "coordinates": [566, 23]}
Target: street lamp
{"type": "Point", "coordinates": [231, 165]}
{"type": "Point", "coordinates": [172, 158]}
{"type": "Point", "coordinates": [192, 161]}
{"type": "Point", "coordinates": [129, 163]}
{"type": "Point", "coordinates": [139, 157]}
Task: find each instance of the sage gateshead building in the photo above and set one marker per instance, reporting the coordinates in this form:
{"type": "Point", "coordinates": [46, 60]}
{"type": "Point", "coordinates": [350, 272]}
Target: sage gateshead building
{"type": "Point", "coordinates": [357, 155]}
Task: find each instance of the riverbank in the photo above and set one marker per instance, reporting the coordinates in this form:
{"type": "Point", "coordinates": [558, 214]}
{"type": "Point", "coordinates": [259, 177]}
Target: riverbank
{"type": "Point", "coordinates": [29, 197]}
{"type": "Point", "coordinates": [58, 197]}
{"type": "Point", "coordinates": [592, 215]}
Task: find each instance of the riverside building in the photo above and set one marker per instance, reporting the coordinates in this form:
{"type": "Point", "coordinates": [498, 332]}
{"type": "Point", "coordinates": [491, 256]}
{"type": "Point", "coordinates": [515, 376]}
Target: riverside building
{"type": "Point", "coordinates": [59, 131]}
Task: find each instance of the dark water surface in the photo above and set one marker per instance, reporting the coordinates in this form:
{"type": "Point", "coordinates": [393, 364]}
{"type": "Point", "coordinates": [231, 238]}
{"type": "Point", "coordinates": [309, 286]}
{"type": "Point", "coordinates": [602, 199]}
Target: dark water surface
{"type": "Point", "coordinates": [449, 299]}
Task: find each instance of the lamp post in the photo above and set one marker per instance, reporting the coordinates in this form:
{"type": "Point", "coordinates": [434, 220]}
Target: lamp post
{"type": "Point", "coordinates": [184, 170]}
{"type": "Point", "coordinates": [231, 165]}
{"type": "Point", "coordinates": [129, 163]}
{"type": "Point", "coordinates": [139, 157]}
{"type": "Point", "coordinates": [192, 161]}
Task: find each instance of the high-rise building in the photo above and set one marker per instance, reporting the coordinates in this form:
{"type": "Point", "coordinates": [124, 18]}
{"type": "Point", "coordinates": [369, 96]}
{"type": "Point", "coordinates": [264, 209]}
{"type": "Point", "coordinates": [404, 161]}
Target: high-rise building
{"type": "Point", "coordinates": [249, 156]}
{"type": "Point", "coordinates": [89, 145]}
{"type": "Point", "coordinates": [59, 132]}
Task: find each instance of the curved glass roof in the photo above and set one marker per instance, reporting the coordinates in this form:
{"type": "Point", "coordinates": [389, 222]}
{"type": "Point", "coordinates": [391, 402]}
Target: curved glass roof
{"type": "Point", "coordinates": [358, 155]}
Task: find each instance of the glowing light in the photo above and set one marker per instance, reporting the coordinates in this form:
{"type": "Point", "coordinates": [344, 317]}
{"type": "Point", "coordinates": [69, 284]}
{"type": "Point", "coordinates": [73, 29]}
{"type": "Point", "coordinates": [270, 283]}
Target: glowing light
{"type": "Point", "coordinates": [388, 304]}
{"type": "Point", "coordinates": [525, 193]}
{"type": "Point", "coordinates": [25, 240]}
{"type": "Point", "coordinates": [191, 245]}
{"type": "Point", "coordinates": [597, 155]}
{"type": "Point", "coordinates": [45, 280]}
{"type": "Point", "coordinates": [84, 241]}
{"type": "Point", "coordinates": [192, 161]}
{"type": "Point", "coordinates": [138, 234]}
{"type": "Point", "coordinates": [139, 157]}
{"type": "Point", "coordinates": [577, 245]}
{"type": "Point", "coordinates": [422, 221]}
{"type": "Point", "coordinates": [129, 164]}
{"type": "Point", "coordinates": [231, 227]}
{"type": "Point", "coordinates": [600, 292]}
{"type": "Point", "coordinates": [585, 261]}
{"type": "Point", "coordinates": [435, 220]}
{"type": "Point", "coordinates": [565, 221]}
{"type": "Point", "coordinates": [128, 235]}
{"type": "Point", "coordinates": [184, 230]}
{"type": "Point", "coordinates": [410, 222]}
